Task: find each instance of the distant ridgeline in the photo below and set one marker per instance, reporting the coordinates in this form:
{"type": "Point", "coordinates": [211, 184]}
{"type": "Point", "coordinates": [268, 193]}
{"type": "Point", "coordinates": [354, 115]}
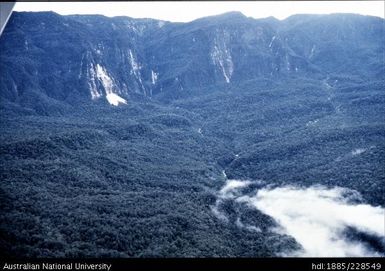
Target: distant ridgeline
{"type": "Point", "coordinates": [49, 61]}
{"type": "Point", "coordinates": [127, 137]}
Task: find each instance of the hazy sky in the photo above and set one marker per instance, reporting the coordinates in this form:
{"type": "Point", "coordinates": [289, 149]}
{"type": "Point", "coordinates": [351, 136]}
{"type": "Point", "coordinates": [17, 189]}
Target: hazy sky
{"type": "Point", "coordinates": [187, 11]}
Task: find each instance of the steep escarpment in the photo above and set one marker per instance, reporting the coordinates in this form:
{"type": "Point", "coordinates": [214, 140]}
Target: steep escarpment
{"type": "Point", "coordinates": [127, 137]}
{"type": "Point", "coordinates": [76, 59]}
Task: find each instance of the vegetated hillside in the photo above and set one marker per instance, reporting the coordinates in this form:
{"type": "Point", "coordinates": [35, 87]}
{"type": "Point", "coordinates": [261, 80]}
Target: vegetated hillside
{"type": "Point", "coordinates": [112, 186]}
{"type": "Point", "coordinates": [50, 61]}
{"type": "Point", "coordinates": [294, 102]}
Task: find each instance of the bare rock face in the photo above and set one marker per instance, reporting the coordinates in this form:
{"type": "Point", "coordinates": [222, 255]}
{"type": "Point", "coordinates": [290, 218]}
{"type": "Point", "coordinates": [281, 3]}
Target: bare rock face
{"type": "Point", "coordinates": [127, 137]}
{"type": "Point", "coordinates": [78, 58]}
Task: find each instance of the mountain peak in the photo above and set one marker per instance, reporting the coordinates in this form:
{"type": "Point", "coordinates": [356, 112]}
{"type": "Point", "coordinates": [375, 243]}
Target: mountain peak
{"type": "Point", "coordinates": [233, 14]}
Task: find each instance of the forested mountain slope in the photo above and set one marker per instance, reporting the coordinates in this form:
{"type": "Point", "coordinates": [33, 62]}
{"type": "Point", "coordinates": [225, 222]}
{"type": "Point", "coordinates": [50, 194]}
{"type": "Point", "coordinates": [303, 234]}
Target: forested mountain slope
{"type": "Point", "coordinates": [117, 134]}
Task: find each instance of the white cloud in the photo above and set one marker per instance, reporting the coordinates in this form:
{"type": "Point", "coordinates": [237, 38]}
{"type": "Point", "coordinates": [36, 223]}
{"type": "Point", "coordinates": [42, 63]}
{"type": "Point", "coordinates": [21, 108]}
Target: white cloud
{"type": "Point", "coordinates": [229, 188]}
{"type": "Point", "coordinates": [317, 217]}
{"type": "Point", "coordinates": [185, 11]}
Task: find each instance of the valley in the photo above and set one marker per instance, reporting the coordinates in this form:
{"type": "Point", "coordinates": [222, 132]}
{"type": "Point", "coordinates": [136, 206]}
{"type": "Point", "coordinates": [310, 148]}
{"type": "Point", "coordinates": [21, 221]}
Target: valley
{"type": "Point", "coordinates": [119, 136]}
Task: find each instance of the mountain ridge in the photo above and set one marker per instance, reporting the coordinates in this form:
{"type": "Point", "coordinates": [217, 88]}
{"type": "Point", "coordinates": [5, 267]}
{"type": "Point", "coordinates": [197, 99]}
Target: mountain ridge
{"type": "Point", "coordinates": [164, 60]}
{"type": "Point", "coordinates": [205, 107]}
